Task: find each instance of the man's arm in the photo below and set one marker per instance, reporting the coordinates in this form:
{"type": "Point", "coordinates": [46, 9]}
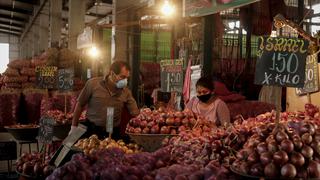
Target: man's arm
{"type": "Point", "coordinates": [82, 101]}
{"type": "Point", "coordinates": [76, 114]}
{"type": "Point", "coordinates": [132, 105]}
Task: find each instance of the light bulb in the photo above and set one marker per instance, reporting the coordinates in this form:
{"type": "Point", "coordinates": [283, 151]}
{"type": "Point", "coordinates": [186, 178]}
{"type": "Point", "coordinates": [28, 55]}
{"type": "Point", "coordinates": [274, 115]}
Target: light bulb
{"type": "Point", "coordinates": [167, 9]}
{"type": "Point", "coordinates": [94, 52]}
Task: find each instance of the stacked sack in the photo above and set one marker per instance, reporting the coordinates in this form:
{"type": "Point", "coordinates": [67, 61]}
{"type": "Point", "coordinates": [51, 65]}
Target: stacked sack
{"type": "Point", "coordinates": [12, 77]}
{"type": "Point", "coordinates": [63, 58]}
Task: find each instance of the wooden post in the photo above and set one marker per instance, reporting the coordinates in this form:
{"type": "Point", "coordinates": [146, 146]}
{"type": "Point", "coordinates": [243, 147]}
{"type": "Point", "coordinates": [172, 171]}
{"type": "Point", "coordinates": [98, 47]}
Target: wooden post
{"type": "Point", "coordinates": [278, 94]}
{"type": "Point", "coordinates": [207, 44]}
{"type": "Point", "coordinates": [65, 105]}
{"type": "Point", "coordinates": [309, 98]}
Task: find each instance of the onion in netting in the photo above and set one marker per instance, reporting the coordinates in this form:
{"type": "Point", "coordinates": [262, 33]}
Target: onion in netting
{"type": "Point", "coordinates": [273, 146]}
{"type": "Point", "coordinates": [262, 147]}
{"type": "Point", "coordinates": [297, 144]}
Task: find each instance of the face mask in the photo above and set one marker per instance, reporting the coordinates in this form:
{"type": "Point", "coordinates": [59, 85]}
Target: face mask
{"type": "Point", "coordinates": [122, 83]}
{"type": "Point", "coordinates": [204, 98]}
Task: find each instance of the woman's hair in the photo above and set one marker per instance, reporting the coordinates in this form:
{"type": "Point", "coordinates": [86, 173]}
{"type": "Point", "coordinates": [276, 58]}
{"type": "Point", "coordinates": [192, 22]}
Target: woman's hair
{"type": "Point", "coordinates": [206, 82]}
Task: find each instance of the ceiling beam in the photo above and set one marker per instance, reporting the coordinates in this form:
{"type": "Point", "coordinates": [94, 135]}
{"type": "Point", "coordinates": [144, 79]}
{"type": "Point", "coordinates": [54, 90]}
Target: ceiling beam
{"type": "Point", "coordinates": [15, 14]}
{"type": "Point", "coordinates": [33, 18]}
{"type": "Point", "coordinates": [11, 22]}
{"type": "Point", "coordinates": [18, 19]}
{"type": "Point", "coordinates": [33, 2]}
{"type": "Point", "coordinates": [8, 32]}
{"type": "Point", "coordinates": [16, 9]}
{"type": "Point", "coordinates": [10, 27]}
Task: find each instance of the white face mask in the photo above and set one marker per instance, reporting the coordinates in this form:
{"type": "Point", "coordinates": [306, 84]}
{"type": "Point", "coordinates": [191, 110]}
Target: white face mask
{"type": "Point", "coordinates": [122, 83]}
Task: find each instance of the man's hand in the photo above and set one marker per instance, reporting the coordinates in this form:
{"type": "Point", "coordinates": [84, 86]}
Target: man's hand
{"type": "Point", "coordinates": [73, 129]}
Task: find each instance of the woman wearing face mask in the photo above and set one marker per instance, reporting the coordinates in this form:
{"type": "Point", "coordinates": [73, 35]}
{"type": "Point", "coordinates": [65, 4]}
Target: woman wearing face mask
{"type": "Point", "coordinates": [208, 105]}
{"type": "Point", "coordinates": [101, 93]}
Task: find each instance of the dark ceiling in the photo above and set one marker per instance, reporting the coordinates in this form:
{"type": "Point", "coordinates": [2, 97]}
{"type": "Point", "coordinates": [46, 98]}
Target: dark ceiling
{"type": "Point", "coordinates": [14, 14]}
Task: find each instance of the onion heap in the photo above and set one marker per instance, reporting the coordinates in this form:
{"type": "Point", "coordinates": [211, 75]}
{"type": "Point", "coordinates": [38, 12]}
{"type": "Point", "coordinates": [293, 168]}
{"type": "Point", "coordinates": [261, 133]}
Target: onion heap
{"type": "Point", "coordinates": [31, 164]}
{"type": "Point", "coordinates": [291, 150]}
{"type": "Point", "coordinates": [162, 121]}
{"type": "Point", "coordinates": [91, 144]}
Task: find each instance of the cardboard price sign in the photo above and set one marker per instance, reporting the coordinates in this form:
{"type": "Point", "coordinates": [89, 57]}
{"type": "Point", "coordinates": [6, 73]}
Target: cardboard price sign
{"type": "Point", "coordinates": [171, 75]}
{"type": "Point", "coordinates": [66, 79]}
{"type": "Point", "coordinates": [281, 61]}
{"type": "Point", "coordinates": [45, 134]}
{"type": "Point", "coordinates": [312, 79]}
{"type": "Point", "coordinates": [47, 77]}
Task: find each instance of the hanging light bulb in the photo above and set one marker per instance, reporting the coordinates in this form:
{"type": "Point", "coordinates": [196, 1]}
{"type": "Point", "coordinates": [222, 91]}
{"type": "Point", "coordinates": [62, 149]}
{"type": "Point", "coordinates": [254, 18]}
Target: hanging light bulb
{"type": "Point", "coordinates": [94, 52]}
{"type": "Point", "coordinates": [167, 8]}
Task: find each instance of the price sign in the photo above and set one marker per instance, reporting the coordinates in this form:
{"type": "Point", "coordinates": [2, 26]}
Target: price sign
{"type": "Point", "coordinates": [109, 122]}
{"type": "Point", "coordinates": [312, 79]}
{"type": "Point", "coordinates": [281, 61]}
{"type": "Point", "coordinates": [65, 79]}
{"type": "Point", "coordinates": [172, 75]}
{"type": "Point", "coordinates": [45, 134]}
{"type": "Point", "coordinates": [47, 77]}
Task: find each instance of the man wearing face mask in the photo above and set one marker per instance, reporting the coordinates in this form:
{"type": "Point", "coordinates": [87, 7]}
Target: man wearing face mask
{"type": "Point", "coordinates": [102, 92]}
{"type": "Point", "coordinates": [208, 105]}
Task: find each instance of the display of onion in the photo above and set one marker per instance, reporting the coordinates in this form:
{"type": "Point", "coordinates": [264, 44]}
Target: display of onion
{"type": "Point", "coordinates": [262, 147]}
{"type": "Point", "coordinates": [307, 151]}
{"type": "Point", "coordinates": [306, 138]}
{"type": "Point", "coordinates": [273, 146]}
{"type": "Point", "coordinates": [314, 169]}
{"type": "Point", "coordinates": [280, 157]}
{"type": "Point", "coordinates": [271, 170]}
{"type": "Point", "coordinates": [297, 159]}
{"type": "Point", "coordinates": [297, 144]}
{"type": "Point", "coordinates": [155, 129]}
{"type": "Point", "coordinates": [165, 130]}
{"type": "Point", "coordinates": [177, 121]}
{"type": "Point", "coordinates": [287, 146]}
{"type": "Point", "coordinates": [266, 158]}
{"type": "Point", "coordinates": [280, 136]}
{"type": "Point", "coordinates": [288, 171]}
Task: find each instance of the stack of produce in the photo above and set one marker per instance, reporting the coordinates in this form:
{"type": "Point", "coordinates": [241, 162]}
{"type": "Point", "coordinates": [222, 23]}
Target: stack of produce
{"type": "Point", "coordinates": [66, 58]}
{"type": "Point", "coordinates": [91, 144]}
{"type": "Point", "coordinates": [33, 165]}
{"type": "Point", "coordinates": [162, 121]}
{"type": "Point", "coordinates": [61, 118]}
{"type": "Point", "coordinates": [9, 107]}
{"type": "Point", "coordinates": [12, 77]}
{"type": "Point", "coordinates": [290, 151]}
{"type": "Point", "coordinates": [204, 153]}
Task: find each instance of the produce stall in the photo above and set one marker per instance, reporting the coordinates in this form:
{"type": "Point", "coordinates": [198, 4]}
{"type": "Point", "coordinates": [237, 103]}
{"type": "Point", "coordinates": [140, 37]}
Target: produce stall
{"type": "Point", "coordinates": [249, 148]}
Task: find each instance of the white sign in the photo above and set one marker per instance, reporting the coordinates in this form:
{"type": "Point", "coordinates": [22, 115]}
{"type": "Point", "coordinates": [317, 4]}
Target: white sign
{"type": "Point", "coordinates": [195, 76]}
{"type": "Point", "coordinates": [109, 122]}
{"type": "Point", "coordinates": [85, 39]}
